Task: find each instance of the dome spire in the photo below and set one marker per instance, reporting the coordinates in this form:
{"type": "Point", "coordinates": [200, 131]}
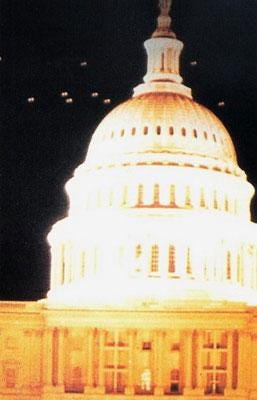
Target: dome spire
{"type": "Point", "coordinates": [164, 20]}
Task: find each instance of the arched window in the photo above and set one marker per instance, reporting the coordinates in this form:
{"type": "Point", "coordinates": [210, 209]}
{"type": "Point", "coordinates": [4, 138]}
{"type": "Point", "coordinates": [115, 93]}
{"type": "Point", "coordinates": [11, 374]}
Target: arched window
{"type": "Point", "coordinates": [156, 195]}
{"type": "Point", "coordinates": [188, 197]}
{"type": "Point", "coordinates": [145, 130]}
{"type": "Point", "coordinates": [138, 250]}
{"type": "Point", "coordinates": [138, 253]}
{"type": "Point", "coordinates": [172, 195]}
{"type": "Point", "coordinates": [188, 262]}
{"type": "Point", "coordinates": [215, 200]}
{"type": "Point", "coordinates": [202, 198]}
{"type": "Point", "coordinates": [226, 205]}
{"type": "Point", "coordinates": [158, 130]}
{"type": "Point", "coordinates": [154, 259]}
{"type": "Point", "coordinates": [238, 268]}
{"type": "Point", "coordinates": [172, 259]}
{"type": "Point", "coordinates": [140, 198]}
{"type": "Point", "coordinates": [228, 265]}
{"type": "Point", "coordinates": [83, 264]}
{"type": "Point", "coordinates": [125, 196]}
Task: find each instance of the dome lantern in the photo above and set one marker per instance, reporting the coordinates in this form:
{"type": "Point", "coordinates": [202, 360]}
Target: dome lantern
{"type": "Point", "coordinates": [163, 56]}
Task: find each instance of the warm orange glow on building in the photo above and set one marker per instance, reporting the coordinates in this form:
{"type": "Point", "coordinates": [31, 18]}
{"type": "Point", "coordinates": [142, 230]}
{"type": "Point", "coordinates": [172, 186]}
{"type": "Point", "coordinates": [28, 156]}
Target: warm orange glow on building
{"type": "Point", "coordinates": [154, 270]}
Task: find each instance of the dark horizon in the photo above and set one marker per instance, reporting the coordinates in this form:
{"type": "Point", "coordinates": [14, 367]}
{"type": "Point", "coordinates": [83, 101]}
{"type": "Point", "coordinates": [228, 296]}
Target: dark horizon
{"type": "Point", "coordinates": [43, 46]}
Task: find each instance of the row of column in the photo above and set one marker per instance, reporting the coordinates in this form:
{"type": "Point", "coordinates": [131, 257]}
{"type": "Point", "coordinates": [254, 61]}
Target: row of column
{"type": "Point", "coordinates": [238, 372]}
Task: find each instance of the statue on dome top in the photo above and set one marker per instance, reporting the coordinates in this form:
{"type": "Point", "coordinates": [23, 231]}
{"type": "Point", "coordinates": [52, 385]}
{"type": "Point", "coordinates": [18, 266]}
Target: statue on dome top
{"type": "Point", "coordinates": [165, 6]}
{"type": "Point", "coordinates": [164, 20]}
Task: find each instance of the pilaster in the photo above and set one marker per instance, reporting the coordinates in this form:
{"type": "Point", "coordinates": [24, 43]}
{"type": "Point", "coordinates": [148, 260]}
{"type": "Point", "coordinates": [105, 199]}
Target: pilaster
{"type": "Point", "coordinates": [244, 362]}
{"type": "Point", "coordinates": [187, 357]}
{"type": "Point", "coordinates": [129, 390]}
{"type": "Point", "coordinates": [158, 390]}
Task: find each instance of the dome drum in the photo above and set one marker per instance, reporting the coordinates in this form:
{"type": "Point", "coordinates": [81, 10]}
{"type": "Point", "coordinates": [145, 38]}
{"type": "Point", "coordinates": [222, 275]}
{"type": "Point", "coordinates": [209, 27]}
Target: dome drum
{"type": "Point", "coordinates": [159, 187]}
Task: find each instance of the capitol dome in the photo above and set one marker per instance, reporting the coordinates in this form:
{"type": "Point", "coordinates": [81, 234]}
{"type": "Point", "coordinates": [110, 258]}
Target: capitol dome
{"type": "Point", "coordinates": [157, 127]}
{"type": "Point", "coordinates": [159, 210]}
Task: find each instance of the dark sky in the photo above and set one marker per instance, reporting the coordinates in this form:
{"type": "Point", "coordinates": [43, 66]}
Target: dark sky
{"type": "Point", "coordinates": [43, 43]}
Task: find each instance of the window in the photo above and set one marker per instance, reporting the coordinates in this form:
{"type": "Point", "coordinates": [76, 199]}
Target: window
{"type": "Point", "coordinates": [140, 199]}
{"type": "Point", "coordinates": [174, 381]}
{"type": "Point", "coordinates": [172, 259]}
{"type": "Point", "coordinates": [145, 130]}
{"type": "Point", "coordinates": [146, 346]}
{"type": "Point", "coordinates": [195, 133]}
{"type": "Point", "coordinates": [10, 377]}
{"type": "Point", "coordinates": [156, 194]}
{"type": "Point", "coordinates": [215, 361]}
{"type": "Point", "coordinates": [115, 361]}
{"type": "Point", "coordinates": [228, 265]}
{"type": "Point", "coordinates": [202, 198]}
{"type": "Point", "coordinates": [154, 259]}
{"type": "Point", "coordinates": [83, 264]}
{"type": "Point", "coordinates": [183, 131]}
{"type": "Point", "coordinates": [171, 130]}
{"type": "Point", "coordinates": [188, 262]}
{"type": "Point", "coordinates": [172, 195]}
{"type": "Point", "coordinates": [138, 251]}
{"type": "Point", "coordinates": [162, 62]}
{"type": "Point", "coordinates": [158, 130]}
{"type": "Point", "coordinates": [133, 131]}
{"type": "Point", "coordinates": [125, 196]}
{"type": "Point", "coordinates": [188, 197]}
{"type": "Point", "coordinates": [146, 380]}
{"type": "Point", "coordinates": [76, 385]}
{"type": "Point", "coordinates": [226, 204]}
{"type": "Point", "coordinates": [215, 200]}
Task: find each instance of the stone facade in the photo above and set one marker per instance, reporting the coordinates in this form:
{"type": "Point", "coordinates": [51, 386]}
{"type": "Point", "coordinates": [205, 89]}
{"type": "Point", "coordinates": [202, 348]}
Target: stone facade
{"type": "Point", "coordinates": [189, 352]}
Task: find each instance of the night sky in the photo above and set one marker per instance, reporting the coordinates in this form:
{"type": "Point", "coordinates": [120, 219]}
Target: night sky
{"type": "Point", "coordinates": [43, 44]}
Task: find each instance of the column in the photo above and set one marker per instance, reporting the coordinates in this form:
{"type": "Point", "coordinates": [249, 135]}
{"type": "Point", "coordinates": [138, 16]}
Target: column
{"type": "Point", "coordinates": [199, 388]}
{"type": "Point", "coordinates": [158, 390]}
{"type": "Point", "coordinates": [60, 365]}
{"type": "Point", "coordinates": [89, 361]}
{"type": "Point", "coordinates": [47, 359]}
{"type": "Point", "coordinates": [244, 362]}
{"type": "Point", "coordinates": [101, 383]}
{"type": "Point", "coordinates": [229, 366]}
{"type": "Point", "coordinates": [254, 364]}
{"type": "Point", "coordinates": [129, 390]}
{"type": "Point", "coordinates": [187, 358]}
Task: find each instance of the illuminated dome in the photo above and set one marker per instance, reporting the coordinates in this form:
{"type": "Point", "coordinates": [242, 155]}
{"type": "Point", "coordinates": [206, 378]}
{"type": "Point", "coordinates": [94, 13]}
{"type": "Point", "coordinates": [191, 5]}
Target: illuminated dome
{"type": "Point", "coordinates": [160, 127]}
{"type": "Point", "coordinates": [160, 210]}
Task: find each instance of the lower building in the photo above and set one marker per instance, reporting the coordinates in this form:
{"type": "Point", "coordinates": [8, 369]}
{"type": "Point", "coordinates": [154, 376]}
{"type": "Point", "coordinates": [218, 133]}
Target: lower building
{"type": "Point", "coordinates": [191, 351]}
